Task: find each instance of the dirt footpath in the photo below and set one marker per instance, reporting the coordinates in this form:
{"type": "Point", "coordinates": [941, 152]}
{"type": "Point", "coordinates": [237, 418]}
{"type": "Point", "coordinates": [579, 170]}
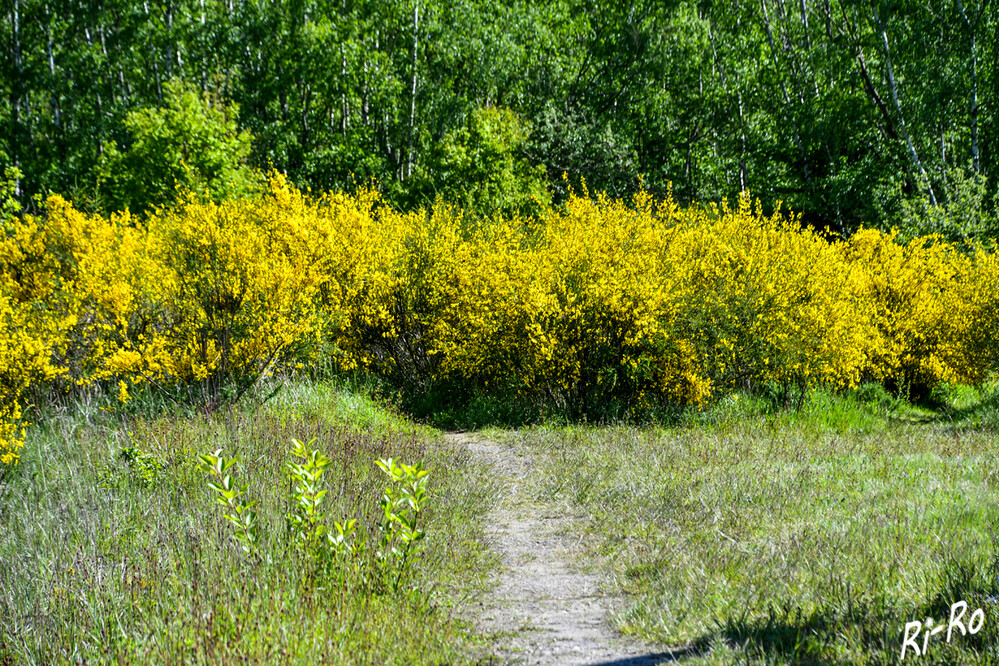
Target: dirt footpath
{"type": "Point", "coordinates": [544, 610]}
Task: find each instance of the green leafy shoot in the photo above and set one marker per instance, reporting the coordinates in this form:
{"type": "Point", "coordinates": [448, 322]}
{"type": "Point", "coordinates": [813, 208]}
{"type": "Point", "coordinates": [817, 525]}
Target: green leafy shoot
{"type": "Point", "coordinates": [402, 503]}
{"type": "Point", "coordinates": [233, 498]}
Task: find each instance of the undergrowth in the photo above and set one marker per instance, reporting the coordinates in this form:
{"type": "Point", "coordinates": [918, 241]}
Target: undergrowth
{"type": "Point", "coordinates": [747, 534]}
{"type": "Point", "coordinates": [115, 550]}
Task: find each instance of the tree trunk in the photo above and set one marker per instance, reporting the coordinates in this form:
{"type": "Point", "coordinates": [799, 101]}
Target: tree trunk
{"type": "Point", "coordinates": [169, 40]}
{"type": "Point", "coordinates": [156, 64]}
{"type": "Point", "coordinates": [972, 29]}
{"type": "Point", "coordinates": [16, 89]}
{"type": "Point", "coordinates": [898, 109]}
{"type": "Point", "coordinates": [412, 96]}
{"type": "Point", "coordinates": [56, 114]}
{"type": "Point", "coordinates": [787, 97]}
{"type": "Point", "coordinates": [344, 111]}
{"type": "Point", "coordinates": [804, 25]}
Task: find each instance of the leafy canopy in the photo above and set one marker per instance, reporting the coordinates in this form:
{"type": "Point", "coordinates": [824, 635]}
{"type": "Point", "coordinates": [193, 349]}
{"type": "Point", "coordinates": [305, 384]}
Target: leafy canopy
{"type": "Point", "coordinates": [481, 167]}
{"type": "Point", "coordinates": [191, 143]}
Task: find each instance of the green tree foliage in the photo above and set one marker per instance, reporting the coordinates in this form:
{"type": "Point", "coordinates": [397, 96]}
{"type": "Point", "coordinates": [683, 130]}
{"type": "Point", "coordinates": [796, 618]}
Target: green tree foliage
{"type": "Point", "coordinates": [966, 216]}
{"type": "Point", "coordinates": [479, 166]}
{"type": "Point", "coordinates": [190, 143]}
{"type": "Point", "coordinates": [843, 110]}
{"type": "Point", "coordinates": [9, 207]}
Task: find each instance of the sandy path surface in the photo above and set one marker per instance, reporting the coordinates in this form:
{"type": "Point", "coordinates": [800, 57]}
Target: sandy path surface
{"type": "Point", "coordinates": [544, 610]}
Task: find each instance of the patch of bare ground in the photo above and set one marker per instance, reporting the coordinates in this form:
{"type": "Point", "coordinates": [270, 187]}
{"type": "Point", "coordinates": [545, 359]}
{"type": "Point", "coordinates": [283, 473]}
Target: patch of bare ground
{"type": "Point", "coordinates": [544, 610]}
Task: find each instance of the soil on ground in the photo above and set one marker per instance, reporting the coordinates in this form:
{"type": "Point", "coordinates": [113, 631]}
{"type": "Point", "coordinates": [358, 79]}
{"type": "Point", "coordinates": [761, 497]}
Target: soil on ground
{"type": "Point", "coordinates": [544, 608]}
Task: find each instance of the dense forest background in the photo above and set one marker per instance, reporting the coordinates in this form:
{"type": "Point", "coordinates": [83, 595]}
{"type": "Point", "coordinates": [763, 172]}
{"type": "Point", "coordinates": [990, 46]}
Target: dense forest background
{"type": "Point", "coordinates": [851, 112]}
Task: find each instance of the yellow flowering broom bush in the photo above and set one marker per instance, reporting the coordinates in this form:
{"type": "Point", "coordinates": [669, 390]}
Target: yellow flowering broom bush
{"type": "Point", "coordinates": [112, 295]}
{"type": "Point", "coordinates": [240, 297]}
{"type": "Point", "coordinates": [399, 294]}
{"type": "Point", "coordinates": [919, 293]}
{"type": "Point", "coordinates": [553, 311]}
{"type": "Point", "coordinates": [972, 329]}
{"type": "Point", "coordinates": [24, 355]}
{"type": "Point", "coordinates": [39, 307]}
{"type": "Point", "coordinates": [765, 301]}
{"type": "Point", "coordinates": [599, 303]}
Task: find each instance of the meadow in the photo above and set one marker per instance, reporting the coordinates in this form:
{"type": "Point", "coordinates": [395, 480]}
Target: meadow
{"type": "Point", "coordinates": [115, 550]}
{"type": "Point", "coordinates": [742, 533]}
{"type": "Point", "coordinates": [753, 535]}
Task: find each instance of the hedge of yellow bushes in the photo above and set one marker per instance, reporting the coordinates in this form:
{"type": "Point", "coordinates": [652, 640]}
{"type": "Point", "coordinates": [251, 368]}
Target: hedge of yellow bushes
{"type": "Point", "coordinates": [600, 300]}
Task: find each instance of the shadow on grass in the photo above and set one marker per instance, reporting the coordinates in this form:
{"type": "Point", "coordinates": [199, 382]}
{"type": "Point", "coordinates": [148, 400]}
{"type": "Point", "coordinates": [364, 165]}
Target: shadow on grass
{"type": "Point", "coordinates": [792, 640]}
{"type": "Point", "coordinates": [651, 659]}
{"type": "Point", "coordinates": [456, 411]}
{"type": "Point", "coordinates": [837, 632]}
{"type": "Point", "coordinates": [980, 414]}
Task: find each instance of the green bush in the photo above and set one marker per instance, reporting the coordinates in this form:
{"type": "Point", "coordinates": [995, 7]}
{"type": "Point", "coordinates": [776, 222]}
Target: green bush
{"type": "Point", "coordinates": [191, 143]}
{"type": "Point", "coordinates": [343, 548]}
{"type": "Point", "coordinates": [481, 167]}
{"type": "Point", "coordinates": [966, 215]}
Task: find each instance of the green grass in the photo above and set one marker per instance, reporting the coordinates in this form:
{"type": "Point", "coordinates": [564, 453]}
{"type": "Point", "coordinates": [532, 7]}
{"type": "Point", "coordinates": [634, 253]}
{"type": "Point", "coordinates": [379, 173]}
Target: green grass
{"type": "Point", "coordinates": [746, 532]}
{"type": "Point", "coordinates": [755, 536]}
{"type": "Point", "coordinates": [113, 550]}
{"type": "Point", "coordinates": [354, 403]}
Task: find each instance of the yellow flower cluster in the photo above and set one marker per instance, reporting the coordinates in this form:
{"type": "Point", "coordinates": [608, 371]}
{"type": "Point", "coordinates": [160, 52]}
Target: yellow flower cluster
{"type": "Point", "coordinates": [600, 300]}
{"type": "Point", "coordinates": [606, 300]}
{"type": "Point", "coordinates": [200, 293]}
